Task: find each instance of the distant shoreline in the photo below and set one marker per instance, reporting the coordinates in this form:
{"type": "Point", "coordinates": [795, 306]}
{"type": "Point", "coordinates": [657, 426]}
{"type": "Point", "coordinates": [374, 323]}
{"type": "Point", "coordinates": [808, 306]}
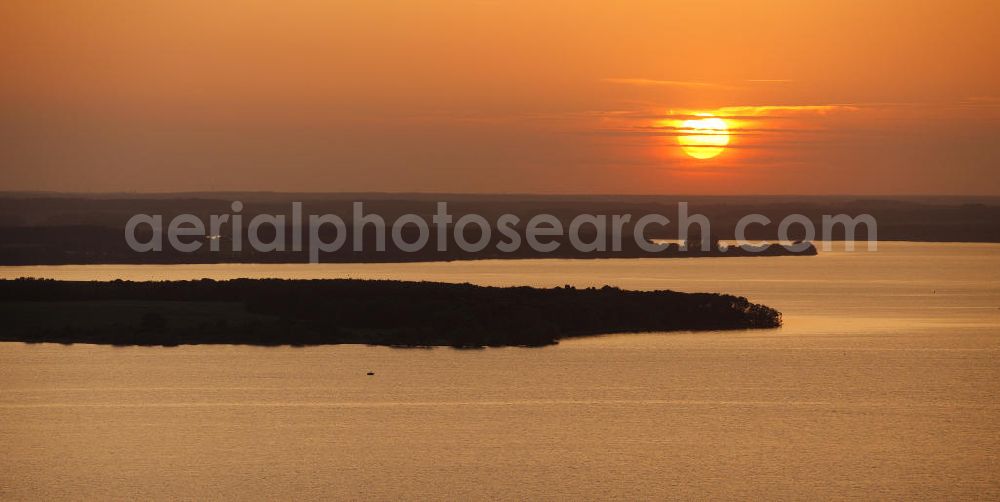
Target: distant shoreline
{"type": "Point", "coordinates": [289, 258]}
{"type": "Point", "coordinates": [272, 312]}
{"type": "Point", "coordinates": [47, 228]}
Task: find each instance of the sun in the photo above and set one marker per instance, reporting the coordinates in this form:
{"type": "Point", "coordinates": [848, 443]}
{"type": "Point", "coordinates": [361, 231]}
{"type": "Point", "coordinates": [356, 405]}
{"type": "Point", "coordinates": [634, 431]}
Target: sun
{"type": "Point", "coordinates": [703, 138]}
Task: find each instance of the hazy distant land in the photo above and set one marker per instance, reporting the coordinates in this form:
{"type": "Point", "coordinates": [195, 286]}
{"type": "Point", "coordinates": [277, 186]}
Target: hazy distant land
{"type": "Point", "coordinates": [318, 312]}
{"type": "Point", "coordinates": [44, 228]}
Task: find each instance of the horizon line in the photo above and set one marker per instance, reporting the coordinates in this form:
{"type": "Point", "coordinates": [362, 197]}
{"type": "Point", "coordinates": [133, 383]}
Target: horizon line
{"type": "Point", "coordinates": [4, 193]}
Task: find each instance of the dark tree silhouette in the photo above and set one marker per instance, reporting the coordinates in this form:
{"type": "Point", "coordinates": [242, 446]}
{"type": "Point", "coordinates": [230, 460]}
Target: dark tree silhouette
{"type": "Point", "coordinates": [274, 312]}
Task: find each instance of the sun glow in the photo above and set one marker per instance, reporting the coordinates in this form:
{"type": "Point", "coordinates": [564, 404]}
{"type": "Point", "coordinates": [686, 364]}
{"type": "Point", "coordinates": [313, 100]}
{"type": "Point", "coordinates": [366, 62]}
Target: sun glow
{"type": "Point", "coordinates": [703, 138]}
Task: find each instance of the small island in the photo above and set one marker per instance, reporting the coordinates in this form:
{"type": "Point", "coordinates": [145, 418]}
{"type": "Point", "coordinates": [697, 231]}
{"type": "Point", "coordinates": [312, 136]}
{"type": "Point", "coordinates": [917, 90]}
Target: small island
{"type": "Point", "coordinates": [272, 312]}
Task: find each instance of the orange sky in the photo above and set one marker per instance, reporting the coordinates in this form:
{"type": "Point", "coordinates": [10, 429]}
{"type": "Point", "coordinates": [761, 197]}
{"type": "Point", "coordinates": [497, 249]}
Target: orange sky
{"type": "Point", "coordinates": [862, 97]}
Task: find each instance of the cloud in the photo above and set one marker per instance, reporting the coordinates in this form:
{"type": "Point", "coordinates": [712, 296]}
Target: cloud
{"type": "Point", "coordinates": [684, 131]}
{"type": "Point", "coordinates": [767, 110]}
{"type": "Point", "coordinates": [987, 101]}
{"type": "Point", "coordinates": [648, 82]}
{"type": "Point", "coordinates": [742, 112]}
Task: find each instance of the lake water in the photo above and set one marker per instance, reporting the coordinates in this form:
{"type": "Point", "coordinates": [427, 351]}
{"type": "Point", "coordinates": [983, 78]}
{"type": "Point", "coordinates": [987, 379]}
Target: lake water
{"type": "Point", "coordinates": [883, 383]}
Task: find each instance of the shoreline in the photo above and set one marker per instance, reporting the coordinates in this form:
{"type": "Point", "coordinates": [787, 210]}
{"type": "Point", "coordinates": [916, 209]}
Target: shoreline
{"type": "Point", "coordinates": [282, 258]}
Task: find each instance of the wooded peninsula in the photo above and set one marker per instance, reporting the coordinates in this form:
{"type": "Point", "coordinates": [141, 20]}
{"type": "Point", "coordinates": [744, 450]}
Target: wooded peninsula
{"type": "Point", "coordinates": [273, 312]}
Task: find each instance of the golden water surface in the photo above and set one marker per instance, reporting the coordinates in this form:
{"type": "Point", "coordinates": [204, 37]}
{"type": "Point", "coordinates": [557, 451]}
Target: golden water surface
{"type": "Point", "coordinates": [883, 383]}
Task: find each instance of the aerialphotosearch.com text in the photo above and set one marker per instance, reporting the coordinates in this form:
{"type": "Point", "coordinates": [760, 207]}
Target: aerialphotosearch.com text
{"type": "Point", "coordinates": [320, 234]}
